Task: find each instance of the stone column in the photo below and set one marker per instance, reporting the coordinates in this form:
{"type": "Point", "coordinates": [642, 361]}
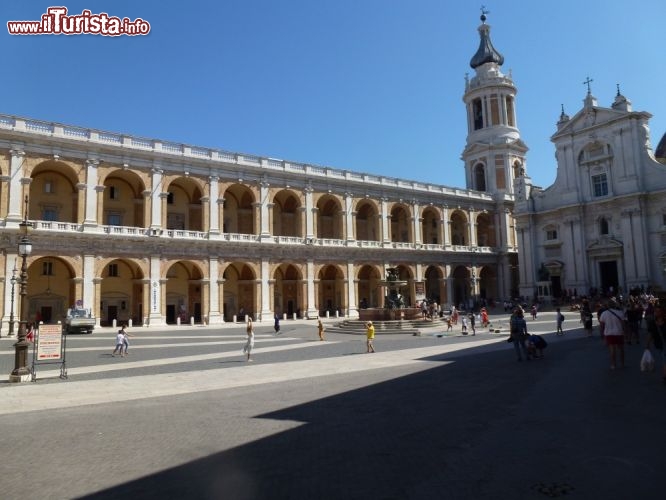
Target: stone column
{"type": "Point", "coordinates": [14, 185]}
{"type": "Point", "coordinates": [418, 238]}
{"type": "Point", "coordinates": [264, 226]}
{"type": "Point", "coordinates": [352, 292]}
{"type": "Point", "coordinates": [349, 217]}
{"type": "Point", "coordinates": [446, 227]}
{"type": "Point", "coordinates": [90, 299]}
{"type": "Point", "coordinates": [155, 317]}
{"type": "Point", "coordinates": [213, 294]}
{"type": "Point", "coordinates": [214, 209]}
{"type": "Point", "coordinates": [312, 311]}
{"type": "Point", "coordinates": [472, 228]}
{"type": "Point", "coordinates": [266, 313]}
{"type": "Point", "coordinates": [385, 221]}
{"type": "Point", "coordinates": [309, 213]}
{"type": "Point", "coordinates": [90, 194]}
{"type": "Point", "coordinates": [95, 307]}
{"type": "Point", "coordinates": [156, 199]}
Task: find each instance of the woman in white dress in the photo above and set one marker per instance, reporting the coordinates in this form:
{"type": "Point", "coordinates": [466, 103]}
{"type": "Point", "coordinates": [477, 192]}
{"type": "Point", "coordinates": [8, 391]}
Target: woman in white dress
{"type": "Point", "coordinates": [250, 339]}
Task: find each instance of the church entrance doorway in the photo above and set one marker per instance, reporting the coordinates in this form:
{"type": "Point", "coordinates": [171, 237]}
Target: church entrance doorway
{"type": "Point", "coordinates": [608, 275]}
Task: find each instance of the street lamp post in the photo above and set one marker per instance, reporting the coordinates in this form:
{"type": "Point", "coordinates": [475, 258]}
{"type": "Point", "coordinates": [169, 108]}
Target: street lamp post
{"type": "Point", "coordinates": [21, 372]}
{"type": "Point", "coordinates": [11, 302]}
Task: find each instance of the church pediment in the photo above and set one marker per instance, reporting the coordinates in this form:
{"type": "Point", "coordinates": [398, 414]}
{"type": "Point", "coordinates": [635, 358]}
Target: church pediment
{"type": "Point", "coordinates": [588, 118]}
{"type": "Point", "coordinates": [605, 246]}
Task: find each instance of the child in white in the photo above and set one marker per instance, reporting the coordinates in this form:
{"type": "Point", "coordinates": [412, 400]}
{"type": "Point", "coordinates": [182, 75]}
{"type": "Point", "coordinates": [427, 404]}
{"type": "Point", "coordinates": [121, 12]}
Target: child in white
{"type": "Point", "coordinates": [120, 343]}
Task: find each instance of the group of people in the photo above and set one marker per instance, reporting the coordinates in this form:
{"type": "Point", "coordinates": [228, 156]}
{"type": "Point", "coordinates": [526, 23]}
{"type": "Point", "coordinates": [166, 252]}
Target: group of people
{"type": "Point", "coordinates": [122, 343]}
{"type": "Point", "coordinates": [249, 330]}
{"type": "Point", "coordinates": [527, 346]}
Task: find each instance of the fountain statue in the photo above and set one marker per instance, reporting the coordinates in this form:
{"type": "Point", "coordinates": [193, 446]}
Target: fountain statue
{"type": "Point", "coordinates": [394, 303]}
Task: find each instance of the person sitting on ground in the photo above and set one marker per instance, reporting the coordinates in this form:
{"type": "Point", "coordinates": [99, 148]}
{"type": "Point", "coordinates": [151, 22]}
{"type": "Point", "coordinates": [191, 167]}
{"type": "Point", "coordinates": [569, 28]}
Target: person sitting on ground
{"type": "Point", "coordinates": [535, 346]}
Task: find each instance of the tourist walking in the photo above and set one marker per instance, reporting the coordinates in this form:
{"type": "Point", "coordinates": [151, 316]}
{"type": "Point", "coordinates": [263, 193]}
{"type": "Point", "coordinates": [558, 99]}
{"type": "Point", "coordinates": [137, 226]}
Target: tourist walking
{"type": "Point", "coordinates": [586, 317]}
{"type": "Point", "coordinates": [472, 322]}
{"type": "Point", "coordinates": [484, 317]}
{"type": "Point", "coordinates": [370, 336]}
{"type": "Point", "coordinates": [320, 329]}
{"type": "Point", "coordinates": [120, 344]}
{"type": "Point", "coordinates": [249, 344]}
{"type": "Point", "coordinates": [534, 311]}
{"type": "Point", "coordinates": [518, 333]}
{"type": "Point", "coordinates": [612, 325]}
{"type": "Point", "coordinates": [126, 336]}
{"type": "Point", "coordinates": [656, 326]}
{"type": "Point", "coordinates": [276, 324]}
{"type": "Point", "coordinates": [559, 317]}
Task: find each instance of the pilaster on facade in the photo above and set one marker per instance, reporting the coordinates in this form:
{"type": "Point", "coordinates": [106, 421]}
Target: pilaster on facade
{"type": "Point", "coordinates": [15, 189]}
{"type": "Point", "coordinates": [349, 217]}
{"type": "Point", "coordinates": [264, 286]}
{"type": "Point", "coordinates": [312, 312]}
{"type": "Point", "coordinates": [158, 199]}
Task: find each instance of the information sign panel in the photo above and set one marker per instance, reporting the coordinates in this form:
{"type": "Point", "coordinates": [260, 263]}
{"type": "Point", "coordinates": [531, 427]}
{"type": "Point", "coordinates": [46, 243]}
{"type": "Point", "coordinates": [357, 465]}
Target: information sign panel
{"type": "Point", "coordinates": [49, 342]}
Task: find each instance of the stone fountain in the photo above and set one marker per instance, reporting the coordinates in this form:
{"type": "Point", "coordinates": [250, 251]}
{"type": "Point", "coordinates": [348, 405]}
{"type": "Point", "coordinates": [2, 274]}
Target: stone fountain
{"type": "Point", "coordinates": [394, 306]}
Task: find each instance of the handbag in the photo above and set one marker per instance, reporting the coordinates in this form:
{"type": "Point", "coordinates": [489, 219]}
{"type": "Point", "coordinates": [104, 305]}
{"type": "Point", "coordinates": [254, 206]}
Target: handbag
{"type": "Point", "coordinates": [647, 361]}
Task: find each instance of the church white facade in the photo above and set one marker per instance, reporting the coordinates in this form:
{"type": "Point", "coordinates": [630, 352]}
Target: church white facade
{"type": "Point", "coordinates": [601, 226]}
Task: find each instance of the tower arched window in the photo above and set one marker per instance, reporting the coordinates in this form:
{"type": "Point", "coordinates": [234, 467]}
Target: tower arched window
{"type": "Point", "coordinates": [510, 112]}
{"type": "Point", "coordinates": [477, 114]}
{"type": "Point", "coordinates": [479, 177]}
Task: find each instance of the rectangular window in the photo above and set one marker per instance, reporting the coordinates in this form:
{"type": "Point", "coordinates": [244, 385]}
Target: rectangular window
{"type": "Point", "coordinates": [113, 270]}
{"type": "Point", "coordinates": [49, 187]}
{"type": "Point", "coordinates": [50, 214]}
{"type": "Point", "coordinates": [551, 234]}
{"type": "Point", "coordinates": [599, 185]}
{"type": "Point", "coordinates": [47, 268]}
{"type": "Point", "coordinates": [170, 198]}
{"type": "Point", "coordinates": [663, 219]}
{"type": "Point", "coordinates": [114, 219]}
{"type": "Point", "coordinates": [113, 193]}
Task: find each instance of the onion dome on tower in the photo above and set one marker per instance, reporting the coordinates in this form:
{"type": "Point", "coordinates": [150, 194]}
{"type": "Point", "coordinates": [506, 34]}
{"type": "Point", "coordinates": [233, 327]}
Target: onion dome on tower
{"type": "Point", "coordinates": [486, 52]}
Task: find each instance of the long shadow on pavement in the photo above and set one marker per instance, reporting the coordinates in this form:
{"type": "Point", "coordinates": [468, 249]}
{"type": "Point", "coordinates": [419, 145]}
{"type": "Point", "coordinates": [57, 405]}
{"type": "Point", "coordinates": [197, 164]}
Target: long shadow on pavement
{"type": "Point", "coordinates": [479, 427]}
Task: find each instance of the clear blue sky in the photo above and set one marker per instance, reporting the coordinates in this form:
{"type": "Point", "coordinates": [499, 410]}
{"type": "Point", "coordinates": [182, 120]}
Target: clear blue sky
{"type": "Point", "coordinates": [367, 85]}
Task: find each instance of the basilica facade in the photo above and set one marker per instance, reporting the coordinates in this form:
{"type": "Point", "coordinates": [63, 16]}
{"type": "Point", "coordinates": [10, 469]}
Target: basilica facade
{"type": "Point", "coordinates": [153, 232]}
{"type": "Point", "coordinates": [601, 227]}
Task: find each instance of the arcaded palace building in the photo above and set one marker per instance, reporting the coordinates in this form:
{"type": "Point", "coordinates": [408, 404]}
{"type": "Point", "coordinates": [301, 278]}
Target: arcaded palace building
{"type": "Point", "coordinates": [159, 233]}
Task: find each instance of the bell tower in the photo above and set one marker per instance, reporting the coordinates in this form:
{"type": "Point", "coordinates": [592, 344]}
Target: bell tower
{"type": "Point", "coordinates": [494, 155]}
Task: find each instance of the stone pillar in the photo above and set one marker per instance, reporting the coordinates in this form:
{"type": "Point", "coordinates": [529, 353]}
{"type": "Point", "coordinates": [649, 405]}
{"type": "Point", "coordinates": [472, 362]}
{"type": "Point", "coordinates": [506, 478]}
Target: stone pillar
{"type": "Point", "coordinates": [156, 199]}
{"type": "Point", "coordinates": [89, 297]}
{"type": "Point", "coordinates": [312, 311]}
{"type": "Point", "coordinates": [14, 185]}
{"type": "Point", "coordinates": [90, 194]}
{"type": "Point", "coordinates": [157, 295]}
{"type": "Point", "coordinates": [385, 221]}
{"type": "Point", "coordinates": [147, 211]}
{"type": "Point", "coordinates": [446, 227]}
{"type": "Point", "coordinates": [264, 225]}
{"type": "Point", "coordinates": [349, 217]}
{"type": "Point", "coordinates": [309, 213]}
{"type": "Point", "coordinates": [214, 210]}
{"type": "Point", "coordinates": [472, 228]}
{"type": "Point", "coordinates": [418, 238]}
{"type": "Point", "coordinates": [352, 292]}
{"type": "Point", "coordinates": [266, 313]}
{"type": "Point", "coordinates": [99, 199]}
{"type": "Point", "coordinates": [213, 292]}
{"type": "Point", "coordinates": [93, 304]}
